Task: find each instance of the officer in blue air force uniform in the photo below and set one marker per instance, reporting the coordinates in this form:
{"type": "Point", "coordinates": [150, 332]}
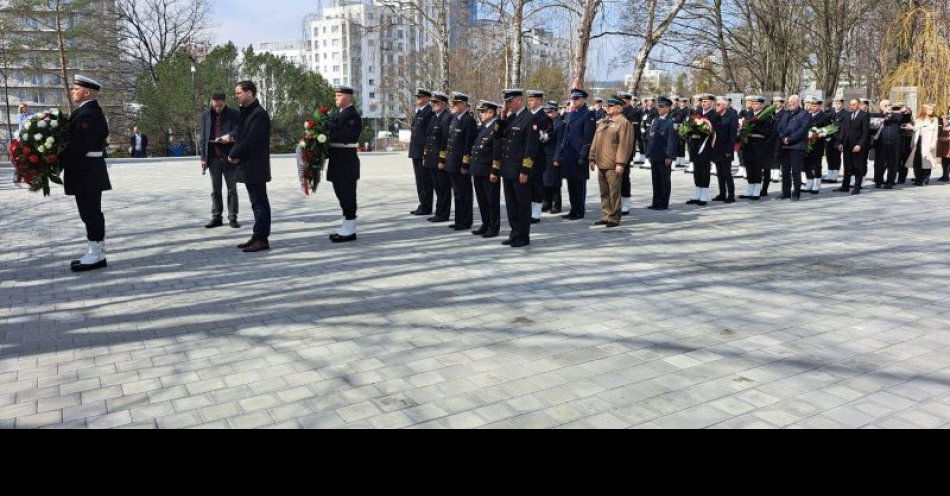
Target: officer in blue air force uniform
{"type": "Point", "coordinates": [573, 153]}
{"type": "Point", "coordinates": [513, 164]}
{"type": "Point", "coordinates": [84, 168]}
{"type": "Point", "coordinates": [343, 164]}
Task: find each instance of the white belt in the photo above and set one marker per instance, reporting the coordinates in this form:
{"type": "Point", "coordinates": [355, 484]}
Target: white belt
{"type": "Point", "coordinates": [94, 155]}
{"type": "Point", "coordinates": [343, 145]}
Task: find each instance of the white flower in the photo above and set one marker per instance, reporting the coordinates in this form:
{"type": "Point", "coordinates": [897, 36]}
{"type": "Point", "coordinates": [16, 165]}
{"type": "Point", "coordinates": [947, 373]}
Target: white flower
{"type": "Point", "coordinates": [42, 124]}
{"type": "Point", "coordinates": [322, 138]}
{"type": "Point", "coordinates": [41, 148]}
{"type": "Point", "coordinates": [54, 111]}
{"type": "Point", "coordinates": [54, 124]}
{"type": "Point", "coordinates": [24, 136]}
{"type": "Point", "coordinates": [38, 137]}
{"type": "Point", "coordinates": [50, 141]}
{"type": "Point", "coordinates": [27, 124]}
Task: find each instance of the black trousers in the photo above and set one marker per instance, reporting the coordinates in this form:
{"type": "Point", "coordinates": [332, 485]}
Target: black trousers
{"type": "Point", "coordinates": [222, 173]}
{"type": "Point", "coordinates": [442, 186]}
{"type": "Point", "coordinates": [885, 161]}
{"type": "Point", "coordinates": [792, 164]}
{"type": "Point", "coordinates": [518, 205]}
{"type": "Point", "coordinates": [537, 187]}
{"type": "Point", "coordinates": [702, 166]}
{"type": "Point", "coordinates": [90, 211]}
{"type": "Point", "coordinates": [813, 163]}
{"type": "Point", "coordinates": [462, 192]}
{"type": "Point", "coordinates": [346, 194]}
{"type": "Point", "coordinates": [856, 166]}
{"type": "Point", "coordinates": [577, 191]}
{"type": "Point", "coordinates": [489, 203]}
{"type": "Point", "coordinates": [260, 204]}
{"type": "Point", "coordinates": [904, 156]}
{"type": "Point", "coordinates": [424, 185]}
{"type": "Point", "coordinates": [626, 187]}
{"type": "Point", "coordinates": [834, 157]}
{"type": "Point", "coordinates": [662, 183]}
{"type": "Point", "coordinates": [727, 185]}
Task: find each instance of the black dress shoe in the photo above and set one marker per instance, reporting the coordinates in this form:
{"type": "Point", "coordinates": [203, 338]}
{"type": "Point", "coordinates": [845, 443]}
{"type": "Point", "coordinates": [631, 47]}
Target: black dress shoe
{"type": "Point", "coordinates": [611, 225]}
{"type": "Point", "coordinates": [815, 191]}
{"type": "Point", "coordinates": [519, 244]}
{"type": "Point", "coordinates": [438, 220]}
{"type": "Point", "coordinates": [719, 198]}
{"type": "Point", "coordinates": [256, 246]}
{"type": "Point", "coordinates": [507, 242]}
{"type": "Point", "coordinates": [888, 186]}
{"type": "Point", "coordinates": [234, 224]}
{"type": "Point", "coordinates": [600, 223]}
{"type": "Point", "coordinates": [343, 239]}
{"type": "Point", "coordinates": [856, 191]}
{"type": "Point", "coordinates": [692, 202]}
{"type": "Point", "coordinates": [661, 208]}
{"type": "Point", "coordinates": [944, 179]}
{"type": "Point", "coordinates": [754, 198]}
{"type": "Point", "coordinates": [245, 245]}
{"type": "Point", "coordinates": [763, 194]}
{"type": "Point", "coordinates": [546, 207]}
{"type": "Point", "coordinates": [463, 228]}
{"type": "Point", "coordinates": [480, 231]}
{"type": "Point", "coordinates": [729, 200]}
{"type": "Point", "coordinates": [79, 267]}
{"type": "Point", "coordinates": [785, 197]}
{"type": "Point", "coordinates": [878, 186]}
{"type": "Point", "coordinates": [490, 234]}
{"type": "Point", "coordinates": [624, 214]}
{"type": "Point", "coordinates": [652, 207]}
{"type": "Point", "coordinates": [843, 189]}
{"type": "Point", "coordinates": [214, 223]}
{"type": "Point", "coordinates": [556, 210]}
{"type": "Point", "coordinates": [421, 212]}
{"type": "Point", "coordinates": [744, 197]}
{"type": "Point", "coordinates": [700, 203]}
{"type": "Point", "coordinates": [535, 221]}
{"type": "Point", "coordinates": [796, 197]}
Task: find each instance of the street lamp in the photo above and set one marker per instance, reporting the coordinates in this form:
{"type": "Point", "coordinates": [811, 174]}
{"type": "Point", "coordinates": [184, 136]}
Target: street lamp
{"type": "Point", "coordinates": [194, 89]}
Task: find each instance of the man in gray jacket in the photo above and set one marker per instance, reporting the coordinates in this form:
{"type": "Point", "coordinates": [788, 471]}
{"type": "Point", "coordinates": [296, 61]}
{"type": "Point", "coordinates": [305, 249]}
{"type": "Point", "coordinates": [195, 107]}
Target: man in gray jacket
{"type": "Point", "coordinates": [218, 121]}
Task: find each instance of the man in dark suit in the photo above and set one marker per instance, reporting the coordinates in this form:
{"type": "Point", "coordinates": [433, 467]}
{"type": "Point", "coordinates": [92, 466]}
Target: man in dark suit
{"type": "Point", "coordinates": [813, 159]}
{"type": "Point", "coordinates": [417, 142]}
{"type": "Point", "coordinates": [792, 135]}
{"type": "Point", "coordinates": [84, 169]}
{"type": "Point", "coordinates": [251, 153]}
{"type": "Point", "coordinates": [433, 156]}
{"type": "Point", "coordinates": [513, 164]}
{"type": "Point", "coordinates": [573, 153]}
{"type": "Point", "coordinates": [663, 147]}
{"type": "Point", "coordinates": [855, 140]}
{"type": "Point", "coordinates": [458, 151]}
{"type": "Point", "coordinates": [138, 144]}
{"type": "Point", "coordinates": [544, 126]}
{"type": "Point", "coordinates": [634, 115]}
{"type": "Point", "coordinates": [838, 116]}
{"type": "Point", "coordinates": [483, 152]}
{"type": "Point", "coordinates": [724, 150]}
{"type": "Point", "coordinates": [343, 162]}
{"type": "Point", "coordinates": [218, 121]}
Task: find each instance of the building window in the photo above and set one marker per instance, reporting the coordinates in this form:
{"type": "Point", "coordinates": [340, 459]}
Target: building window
{"type": "Point", "coordinates": [372, 95]}
{"type": "Point", "coordinates": [336, 80]}
{"type": "Point", "coordinates": [372, 82]}
{"type": "Point", "coordinates": [336, 68]}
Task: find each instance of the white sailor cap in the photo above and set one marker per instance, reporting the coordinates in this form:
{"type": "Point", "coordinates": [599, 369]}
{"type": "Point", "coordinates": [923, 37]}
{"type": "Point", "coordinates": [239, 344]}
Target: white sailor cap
{"type": "Point", "coordinates": [87, 83]}
{"type": "Point", "coordinates": [346, 90]}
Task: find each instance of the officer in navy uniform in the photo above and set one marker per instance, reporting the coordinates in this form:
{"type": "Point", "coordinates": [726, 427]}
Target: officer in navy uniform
{"type": "Point", "coordinates": [84, 168]}
{"type": "Point", "coordinates": [838, 115]}
{"type": "Point", "coordinates": [513, 163]}
{"type": "Point", "coordinates": [679, 114]}
{"type": "Point", "coordinates": [458, 149]}
{"type": "Point", "coordinates": [633, 115]}
{"type": "Point", "coordinates": [437, 136]}
{"type": "Point", "coordinates": [552, 174]}
{"type": "Point", "coordinates": [598, 109]}
{"type": "Point", "coordinates": [544, 126]}
{"type": "Point", "coordinates": [702, 150]}
{"type": "Point", "coordinates": [663, 144]}
{"type": "Point", "coordinates": [759, 150]}
{"type": "Point", "coordinates": [777, 162]}
{"type": "Point", "coordinates": [343, 165]}
{"type": "Point", "coordinates": [420, 124]}
{"type": "Point", "coordinates": [814, 158]}
{"type": "Point", "coordinates": [573, 153]}
{"type": "Point", "coordinates": [480, 166]}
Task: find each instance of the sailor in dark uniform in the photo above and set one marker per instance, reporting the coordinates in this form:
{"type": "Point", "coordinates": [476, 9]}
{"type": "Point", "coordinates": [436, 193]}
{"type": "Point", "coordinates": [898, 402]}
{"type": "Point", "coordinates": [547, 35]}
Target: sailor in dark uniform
{"type": "Point", "coordinates": [417, 141]}
{"type": "Point", "coordinates": [544, 127]}
{"type": "Point", "coordinates": [458, 149]}
{"type": "Point", "coordinates": [513, 163]}
{"type": "Point", "coordinates": [552, 174]}
{"type": "Point", "coordinates": [480, 166]}
{"type": "Point", "coordinates": [679, 114]}
{"type": "Point", "coordinates": [598, 109]}
{"type": "Point", "coordinates": [343, 165]}
{"type": "Point", "coordinates": [633, 115]}
{"type": "Point", "coordinates": [84, 168]}
{"type": "Point", "coordinates": [759, 149]}
{"type": "Point", "coordinates": [702, 150]}
{"type": "Point", "coordinates": [433, 156]}
{"type": "Point", "coordinates": [813, 159]}
{"type": "Point", "coordinates": [838, 115]}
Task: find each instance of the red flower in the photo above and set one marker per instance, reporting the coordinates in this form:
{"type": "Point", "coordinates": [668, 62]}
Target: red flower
{"type": "Point", "coordinates": [324, 109]}
{"type": "Point", "coordinates": [51, 159]}
{"type": "Point", "coordinates": [34, 159]}
{"type": "Point", "coordinates": [27, 150]}
{"type": "Point", "coordinates": [311, 124]}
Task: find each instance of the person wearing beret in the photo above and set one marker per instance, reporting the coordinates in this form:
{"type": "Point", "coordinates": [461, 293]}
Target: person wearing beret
{"type": "Point", "coordinates": [85, 175]}
{"type": "Point", "coordinates": [487, 193]}
{"type": "Point", "coordinates": [573, 153]}
{"type": "Point", "coordinates": [420, 124]}
{"type": "Point", "coordinates": [663, 144]}
{"type": "Point", "coordinates": [433, 156]}
{"type": "Point", "coordinates": [513, 164]}
{"type": "Point", "coordinates": [343, 162]}
{"type": "Point", "coordinates": [458, 149]}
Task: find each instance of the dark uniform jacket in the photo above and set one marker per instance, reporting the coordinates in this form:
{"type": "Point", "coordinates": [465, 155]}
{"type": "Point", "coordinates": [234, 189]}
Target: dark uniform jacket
{"type": "Point", "coordinates": [458, 147]}
{"type": "Point", "coordinates": [819, 120]}
{"type": "Point", "coordinates": [144, 143]}
{"type": "Point", "coordinates": [696, 141]}
{"type": "Point", "coordinates": [344, 128]}
{"type": "Point", "coordinates": [228, 121]}
{"type": "Point", "coordinates": [762, 138]}
{"type": "Point", "coordinates": [542, 124]}
{"type": "Point", "coordinates": [483, 150]}
{"type": "Point", "coordinates": [420, 125]}
{"type": "Point", "coordinates": [856, 131]}
{"type": "Point", "coordinates": [838, 118]}
{"type": "Point", "coordinates": [891, 132]}
{"type": "Point", "coordinates": [574, 151]}
{"type": "Point", "coordinates": [252, 145]}
{"type": "Point", "coordinates": [86, 132]}
{"type": "Point", "coordinates": [680, 114]}
{"type": "Point", "coordinates": [726, 133]}
{"type": "Point", "coordinates": [519, 145]}
{"type": "Point", "coordinates": [552, 175]}
{"type": "Point", "coordinates": [437, 135]}
{"type": "Point", "coordinates": [664, 140]}
{"type": "Point", "coordinates": [794, 127]}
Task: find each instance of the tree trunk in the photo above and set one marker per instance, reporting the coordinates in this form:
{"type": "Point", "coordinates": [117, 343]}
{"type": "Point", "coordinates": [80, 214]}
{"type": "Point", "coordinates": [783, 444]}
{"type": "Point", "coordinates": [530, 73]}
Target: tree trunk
{"type": "Point", "coordinates": [723, 51]}
{"type": "Point", "coordinates": [583, 42]}
{"type": "Point", "coordinates": [61, 40]}
{"type": "Point", "coordinates": [652, 37]}
{"type": "Point", "coordinates": [517, 46]}
{"type": "Point", "coordinates": [444, 44]}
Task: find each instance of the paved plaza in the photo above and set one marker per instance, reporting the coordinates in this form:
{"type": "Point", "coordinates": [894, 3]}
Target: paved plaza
{"type": "Point", "coordinates": [831, 312]}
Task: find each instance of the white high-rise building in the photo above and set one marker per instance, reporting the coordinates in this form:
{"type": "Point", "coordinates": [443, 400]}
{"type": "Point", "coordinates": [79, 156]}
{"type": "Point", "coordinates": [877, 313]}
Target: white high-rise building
{"type": "Point", "coordinates": [296, 51]}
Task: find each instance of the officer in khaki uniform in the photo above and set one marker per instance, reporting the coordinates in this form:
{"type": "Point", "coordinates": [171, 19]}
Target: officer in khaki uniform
{"type": "Point", "coordinates": [609, 155]}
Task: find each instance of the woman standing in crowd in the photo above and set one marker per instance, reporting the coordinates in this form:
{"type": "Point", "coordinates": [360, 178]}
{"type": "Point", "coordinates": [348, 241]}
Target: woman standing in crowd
{"type": "Point", "coordinates": [943, 147]}
{"type": "Point", "coordinates": [923, 146]}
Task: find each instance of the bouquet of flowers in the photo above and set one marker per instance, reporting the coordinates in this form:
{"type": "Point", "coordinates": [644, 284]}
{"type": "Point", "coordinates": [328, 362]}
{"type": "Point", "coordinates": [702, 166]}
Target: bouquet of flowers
{"type": "Point", "coordinates": [745, 131]}
{"type": "Point", "coordinates": [697, 126]}
{"type": "Point", "coordinates": [819, 133]}
{"type": "Point", "coordinates": [35, 154]}
{"type": "Point", "coordinates": [312, 150]}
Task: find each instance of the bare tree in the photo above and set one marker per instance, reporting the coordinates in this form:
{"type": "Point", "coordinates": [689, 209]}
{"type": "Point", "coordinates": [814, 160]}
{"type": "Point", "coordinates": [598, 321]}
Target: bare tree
{"type": "Point", "coordinates": [152, 30]}
{"type": "Point", "coordinates": [432, 17]}
{"type": "Point", "coordinates": [652, 36]}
